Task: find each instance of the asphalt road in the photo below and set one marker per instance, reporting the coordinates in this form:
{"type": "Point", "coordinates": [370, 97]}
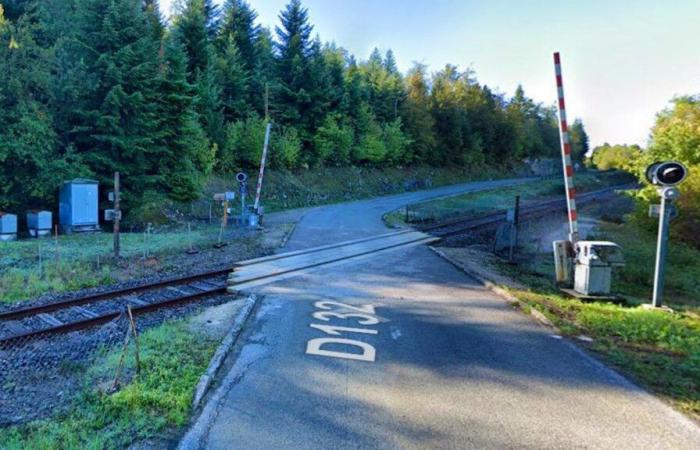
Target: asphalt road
{"type": "Point", "coordinates": [424, 357]}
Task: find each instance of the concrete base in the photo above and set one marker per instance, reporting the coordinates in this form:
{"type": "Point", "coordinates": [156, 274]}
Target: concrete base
{"type": "Point", "coordinates": [662, 308]}
{"type": "Point", "coordinates": [8, 237]}
{"type": "Point", "coordinates": [591, 297]}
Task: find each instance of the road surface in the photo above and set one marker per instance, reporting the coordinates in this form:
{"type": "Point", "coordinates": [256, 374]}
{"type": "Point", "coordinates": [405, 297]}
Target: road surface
{"type": "Point", "coordinates": [402, 350]}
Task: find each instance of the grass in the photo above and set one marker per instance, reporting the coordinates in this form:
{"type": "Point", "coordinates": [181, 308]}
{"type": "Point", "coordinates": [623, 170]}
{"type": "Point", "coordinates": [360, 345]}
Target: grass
{"type": "Point", "coordinates": [314, 187]}
{"type": "Point", "coordinates": [29, 268]}
{"type": "Point", "coordinates": [484, 202]}
{"type": "Point", "coordinates": [635, 280]}
{"type": "Point", "coordinates": [658, 349]}
{"type": "Point", "coordinates": [148, 406]}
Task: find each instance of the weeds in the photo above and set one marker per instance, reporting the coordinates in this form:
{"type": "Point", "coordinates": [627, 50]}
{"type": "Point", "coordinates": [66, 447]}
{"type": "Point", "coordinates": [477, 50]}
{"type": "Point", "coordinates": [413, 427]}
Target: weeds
{"type": "Point", "coordinates": [172, 360]}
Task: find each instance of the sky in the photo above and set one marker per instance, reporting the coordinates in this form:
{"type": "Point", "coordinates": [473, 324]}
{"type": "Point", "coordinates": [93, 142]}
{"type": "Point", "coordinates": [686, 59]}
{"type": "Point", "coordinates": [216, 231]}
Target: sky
{"type": "Point", "coordinates": [622, 60]}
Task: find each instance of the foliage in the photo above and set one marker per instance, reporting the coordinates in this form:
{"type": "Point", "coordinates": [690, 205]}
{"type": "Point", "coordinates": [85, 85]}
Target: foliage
{"type": "Point", "coordinates": [243, 144]}
{"type": "Point", "coordinates": [334, 141]}
{"type": "Point", "coordinates": [623, 157]}
{"type": "Point", "coordinates": [286, 149]}
{"type": "Point", "coordinates": [89, 87]}
{"type": "Point", "coordinates": [676, 136]}
{"type": "Point", "coordinates": [172, 360]}
{"type": "Point", "coordinates": [660, 349]}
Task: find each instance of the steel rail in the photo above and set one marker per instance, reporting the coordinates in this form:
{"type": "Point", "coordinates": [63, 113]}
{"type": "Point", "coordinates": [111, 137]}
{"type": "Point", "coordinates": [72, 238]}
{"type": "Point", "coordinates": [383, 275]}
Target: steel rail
{"type": "Point", "coordinates": [465, 225]}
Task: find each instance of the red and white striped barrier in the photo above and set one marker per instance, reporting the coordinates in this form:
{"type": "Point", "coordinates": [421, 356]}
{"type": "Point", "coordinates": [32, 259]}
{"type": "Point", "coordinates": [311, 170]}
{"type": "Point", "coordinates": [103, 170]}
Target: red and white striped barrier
{"type": "Point", "coordinates": [566, 155]}
{"type": "Point", "coordinates": [258, 189]}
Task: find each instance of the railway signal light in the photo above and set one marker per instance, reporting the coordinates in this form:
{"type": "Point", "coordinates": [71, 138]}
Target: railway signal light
{"type": "Point", "coordinates": [667, 175]}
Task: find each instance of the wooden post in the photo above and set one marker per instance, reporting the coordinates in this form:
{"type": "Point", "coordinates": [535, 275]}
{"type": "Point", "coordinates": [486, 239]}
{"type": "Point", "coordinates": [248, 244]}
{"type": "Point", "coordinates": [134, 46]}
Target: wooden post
{"type": "Point", "coordinates": [117, 216]}
{"type": "Point", "coordinates": [58, 250]}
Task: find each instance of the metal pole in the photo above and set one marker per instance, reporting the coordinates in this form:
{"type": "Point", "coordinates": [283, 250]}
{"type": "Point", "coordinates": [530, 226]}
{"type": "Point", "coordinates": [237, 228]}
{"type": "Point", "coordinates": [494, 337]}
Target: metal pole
{"type": "Point", "coordinates": [566, 154]}
{"type": "Point", "coordinates": [262, 168]}
{"type": "Point", "coordinates": [514, 229]}
{"type": "Point", "coordinates": [661, 248]}
{"type": "Point", "coordinates": [117, 216]}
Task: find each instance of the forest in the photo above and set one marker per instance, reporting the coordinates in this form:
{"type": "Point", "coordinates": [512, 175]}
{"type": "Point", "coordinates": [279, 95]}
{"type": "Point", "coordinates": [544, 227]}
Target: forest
{"type": "Point", "coordinates": [89, 87]}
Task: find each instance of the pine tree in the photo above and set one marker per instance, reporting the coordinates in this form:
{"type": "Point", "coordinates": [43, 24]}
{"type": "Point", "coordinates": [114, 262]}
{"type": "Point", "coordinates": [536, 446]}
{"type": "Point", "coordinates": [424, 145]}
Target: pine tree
{"type": "Point", "coordinates": [212, 18]}
{"type": "Point", "coordinates": [190, 29]}
{"type": "Point", "coordinates": [293, 47]}
{"type": "Point", "coordinates": [32, 162]}
{"type": "Point", "coordinates": [238, 24]}
{"type": "Point", "coordinates": [390, 62]}
{"type": "Point", "coordinates": [186, 156]}
{"type": "Point", "coordinates": [265, 88]}
{"type": "Point", "coordinates": [234, 82]}
{"type": "Point", "coordinates": [117, 117]}
{"type": "Point", "coordinates": [579, 141]}
{"type": "Point", "coordinates": [415, 112]}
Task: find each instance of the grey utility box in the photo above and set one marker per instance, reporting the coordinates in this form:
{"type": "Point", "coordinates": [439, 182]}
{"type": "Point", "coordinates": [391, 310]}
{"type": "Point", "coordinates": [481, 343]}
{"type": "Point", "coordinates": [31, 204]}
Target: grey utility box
{"type": "Point", "coordinates": [593, 266]}
{"type": "Point", "coordinates": [78, 206]}
{"type": "Point", "coordinates": [39, 223]}
{"type": "Point", "coordinates": [8, 227]}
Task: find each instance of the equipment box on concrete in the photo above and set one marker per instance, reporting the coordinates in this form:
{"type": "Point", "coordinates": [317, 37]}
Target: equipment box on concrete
{"type": "Point", "coordinates": [39, 223]}
{"type": "Point", "coordinates": [594, 263]}
{"type": "Point", "coordinates": [78, 206]}
{"type": "Point", "coordinates": [8, 226]}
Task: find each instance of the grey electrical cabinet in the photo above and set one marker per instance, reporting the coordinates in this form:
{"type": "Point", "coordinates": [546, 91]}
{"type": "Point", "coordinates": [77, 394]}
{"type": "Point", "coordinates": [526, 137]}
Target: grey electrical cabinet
{"type": "Point", "coordinates": [8, 227]}
{"type": "Point", "coordinates": [593, 266]}
{"type": "Point", "coordinates": [77, 208]}
{"type": "Point", "coordinates": [39, 223]}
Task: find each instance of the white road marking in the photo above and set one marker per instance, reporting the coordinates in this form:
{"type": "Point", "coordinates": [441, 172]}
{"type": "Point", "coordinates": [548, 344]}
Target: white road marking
{"type": "Point", "coordinates": [395, 333]}
{"type": "Point", "coordinates": [362, 314]}
{"type": "Point", "coordinates": [335, 331]}
{"type": "Point", "coordinates": [313, 347]}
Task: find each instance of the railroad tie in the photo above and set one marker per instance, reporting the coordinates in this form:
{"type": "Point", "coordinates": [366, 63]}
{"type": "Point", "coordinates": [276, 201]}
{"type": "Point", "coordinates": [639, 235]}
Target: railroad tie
{"type": "Point", "coordinates": [203, 286]}
{"type": "Point", "coordinates": [177, 290]}
{"type": "Point", "coordinates": [49, 319]}
{"type": "Point", "coordinates": [85, 312]}
{"type": "Point", "coordinates": [136, 301]}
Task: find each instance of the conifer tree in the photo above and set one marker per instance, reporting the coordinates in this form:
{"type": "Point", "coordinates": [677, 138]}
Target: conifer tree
{"type": "Point", "coordinates": [579, 141]}
{"type": "Point", "coordinates": [293, 47]}
{"type": "Point", "coordinates": [117, 117]}
{"type": "Point", "coordinates": [32, 165]}
{"type": "Point", "coordinates": [186, 156]}
{"type": "Point", "coordinates": [415, 111]}
{"type": "Point", "coordinates": [190, 29]}
{"type": "Point", "coordinates": [234, 82]}
{"type": "Point", "coordinates": [238, 24]}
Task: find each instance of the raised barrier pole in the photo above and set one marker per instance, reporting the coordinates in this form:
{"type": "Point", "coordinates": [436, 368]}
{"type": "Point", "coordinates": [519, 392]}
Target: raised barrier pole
{"type": "Point", "coordinates": [258, 190]}
{"type": "Point", "coordinates": [566, 155]}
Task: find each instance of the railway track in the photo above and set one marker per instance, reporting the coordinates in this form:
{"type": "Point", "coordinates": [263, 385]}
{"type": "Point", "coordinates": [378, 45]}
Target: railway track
{"type": "Point", "coordinates": [86, 311]}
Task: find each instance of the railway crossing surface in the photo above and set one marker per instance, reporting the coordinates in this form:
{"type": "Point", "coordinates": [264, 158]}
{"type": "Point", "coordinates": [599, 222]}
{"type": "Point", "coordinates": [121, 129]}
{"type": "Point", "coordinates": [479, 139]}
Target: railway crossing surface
{"type": "Point", "coordinates": [401, 350]}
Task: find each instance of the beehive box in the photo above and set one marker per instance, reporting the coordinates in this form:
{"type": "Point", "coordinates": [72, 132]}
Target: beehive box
{"type": "Point", "coordinates": [8, 226]}
{"type": "Point", "coordinates": [39, 222]}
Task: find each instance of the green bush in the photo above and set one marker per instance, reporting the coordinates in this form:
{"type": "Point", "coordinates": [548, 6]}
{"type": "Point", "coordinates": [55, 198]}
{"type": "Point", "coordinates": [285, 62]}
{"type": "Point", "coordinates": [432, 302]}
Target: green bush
{"type": "Point", "coordinates": [286, 149]}
{"type": "Point", "coordinates": [243, 144]}
{"type": "Point", "coordinates": [333, 142]}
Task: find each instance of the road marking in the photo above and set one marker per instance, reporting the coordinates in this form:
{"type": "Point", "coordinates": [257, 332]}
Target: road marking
{"type": "Point", "coordinates": [313, 347]}
{"type": "Point", "coordinates": [363, 315]}
{"type": "Point", "coordinates": [335, 331]}
{"type": "Point", "coordinates": [395, 333]}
